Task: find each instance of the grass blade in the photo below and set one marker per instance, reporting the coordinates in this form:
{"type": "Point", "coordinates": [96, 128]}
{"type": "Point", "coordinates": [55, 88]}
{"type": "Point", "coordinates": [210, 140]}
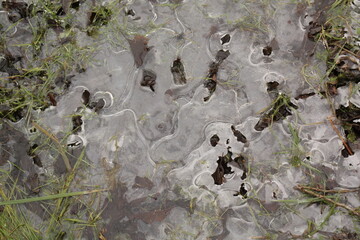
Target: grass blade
{"type": "Point", "coordinates": [50, 197]}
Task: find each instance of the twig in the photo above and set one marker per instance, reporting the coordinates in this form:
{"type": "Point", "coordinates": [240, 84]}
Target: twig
{"type": "Point", "coordinates": [52, 137]}
{"type": "Point", "coordinates": [341, 138]}
{"type": "Point", "coordinates": [330, 191]}
{"type": "Point", "coordinates": [344, 49]}
{"type": "Point", "coordinates": [328, 200]}
{"type": "Point", "coordinates": [10, 77]}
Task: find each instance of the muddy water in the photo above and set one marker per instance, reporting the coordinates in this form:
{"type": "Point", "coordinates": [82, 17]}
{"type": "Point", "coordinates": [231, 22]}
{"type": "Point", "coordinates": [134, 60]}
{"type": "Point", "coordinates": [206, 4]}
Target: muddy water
{"type": "Point", "coordinates": [147, 137]}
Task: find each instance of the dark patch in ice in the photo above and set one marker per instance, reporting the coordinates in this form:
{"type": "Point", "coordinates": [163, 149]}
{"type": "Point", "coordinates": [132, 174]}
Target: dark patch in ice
{"type": "Point", "coordinates": [16, 10]}
{"type": "Point", "coordinates": [343, 234]}
{"type": "Point", "coordinates": [218, 175]}
{"type": "Point", "coordinates": [52, 99]}
{"type": "Point", "coordinates": [323, 5]}
{"type": "Point", "coordinates": [33, 183]}
{"type": "Point", "coordinates": [9, 113]}
{"type": "Point", "coordinates": [162, 127]}
{"type": "Point", "coordinates": [239, 136]}
{"type": "Point", "coordinates": [143, 182]}
{"type": "Point", "coordinates": [149, 79]}
{"type": "Point", "coordinates": [86, 97]}
{"type": "Point", "coordinates": [55, 24]}
{"type": "Point", "coordinates": [36, 159]}
{"type": "Point", "coordinates": [267, 51]}
{"type": "Point", "coordinates": [76, 208]}
{"type": "Point", "coordinates": [263, 123]}
{"type": "Point", "coordinates": [314, 29]}
{"type": "Point", "coordinates": [242, 163]}
{"type": "Point", "coordinates": [307, 48]}
{"type": "Point", "coordinates": [346, 234]}
{"type": "Point", "coordinates": [274, 44]}
{"type": "Point", "coordinates": [331, 89]}
{"type": "Point", "coordinates": [178, 72]}
{"type": "Point", "coordinates": [122, 216]}
{"type": "Point", "coordinates": [319, 22]}
{"type": "Point", "coordinates": [272, 86]}
{"type": "Point", "coordinates": [225, 39]}
{"type": "Point", "coordinates": [74, 144]}
{"type": "Point", "coordinates": [76, 4]}
{"type": "Point", "coordinates": [115, 210]}
{"type": "Point", "coordinates": [139, 48]}
{"type": "Point", "coordinates": [63, 81]}
{"type": "Point", "coordinates": [211, 78]}
{"type": "Point", "coordinates": [214, 140]}
{"type": "Point", "coordinates": [77, 122]}
{"type": "Point", "coordinates": [72, 154]}
{"type": "Point", "coordinates": [349, 117]}
{"type": "Point", "coordinates": [16, 145]}
{"type": "Point", "coordinates": [156, 215]}
{"type": "Point", "coordinates": [130, 12]}
{"type": "Point", "coordinates": [347, 68]}
{"type": "Point", "coordinates": [222, 168]}
{"type": "Point", "coordinates": [280, 109]}
{"type": "Point", "coordinates": [100, 17]}
{"type": "Point", "coordinates": [242, 191]}
{"type": "Point", "coordinates": [221, 56]}
{"type": "Point", "coordinates": [304, 96]}
{"type": "Point", "coordinates": [271, 207]}
{"type": "Point", "coordinates": [210, 84]}
{"type": "Point", "coordinates": [345, 152]}
{"type": "Point", "coordinates": [7, 65]}
{"type": "Point", "coordinates": [67, 4]}
{"type": "Point", "coordinates": [213, 29]}
{"type": "Point", "coordinates": [98, 105]}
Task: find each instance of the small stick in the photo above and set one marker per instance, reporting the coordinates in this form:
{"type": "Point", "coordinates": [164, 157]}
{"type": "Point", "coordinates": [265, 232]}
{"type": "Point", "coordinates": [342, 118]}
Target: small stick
{"type": "Point", "coordinates": [344, 49]}
{"type": "Point", "coordinates": [10, 77]}
{"type": "Point", "coordinates": [328, 200]}
{"type": "Point", "coordinates": [330, 191]}
{"type": "Point", "coordinates": [52, 137]}
{"type": "Point", "coordinates": [341, 138]}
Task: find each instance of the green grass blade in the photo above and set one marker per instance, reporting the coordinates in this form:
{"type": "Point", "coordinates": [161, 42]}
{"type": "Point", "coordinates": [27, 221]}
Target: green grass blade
{"type": "Point", "coordinates": [50, 197]}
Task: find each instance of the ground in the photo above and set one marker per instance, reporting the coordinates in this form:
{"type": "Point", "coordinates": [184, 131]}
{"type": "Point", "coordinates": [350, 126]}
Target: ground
{"type": "Point", "coordinates": [180, 119]}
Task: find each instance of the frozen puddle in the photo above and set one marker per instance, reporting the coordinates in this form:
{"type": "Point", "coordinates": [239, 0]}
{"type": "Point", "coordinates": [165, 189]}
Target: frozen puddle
{"type": "Point", "coordinates": [147, 138]}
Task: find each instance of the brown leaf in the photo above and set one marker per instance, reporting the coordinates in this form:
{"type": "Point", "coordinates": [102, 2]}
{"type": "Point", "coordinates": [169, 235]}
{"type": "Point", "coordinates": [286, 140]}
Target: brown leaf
{"type": "Point", "coordinates": [149, 79]}
{"type": "Point", "coordinates": [214, 140]}
{"type": "Point", "coordinates": [239, 136]}
{"type": "Point", "coordinates": [139, 49]}
{"type": "Point", "coordinates": [52, 99]}
{"type": "Point", "coordinates": [178, 72]}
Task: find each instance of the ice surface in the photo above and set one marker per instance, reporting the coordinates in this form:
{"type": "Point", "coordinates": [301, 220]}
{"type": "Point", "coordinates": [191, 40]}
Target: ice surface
{"type": "Point", "coordinates": [164, 135]}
